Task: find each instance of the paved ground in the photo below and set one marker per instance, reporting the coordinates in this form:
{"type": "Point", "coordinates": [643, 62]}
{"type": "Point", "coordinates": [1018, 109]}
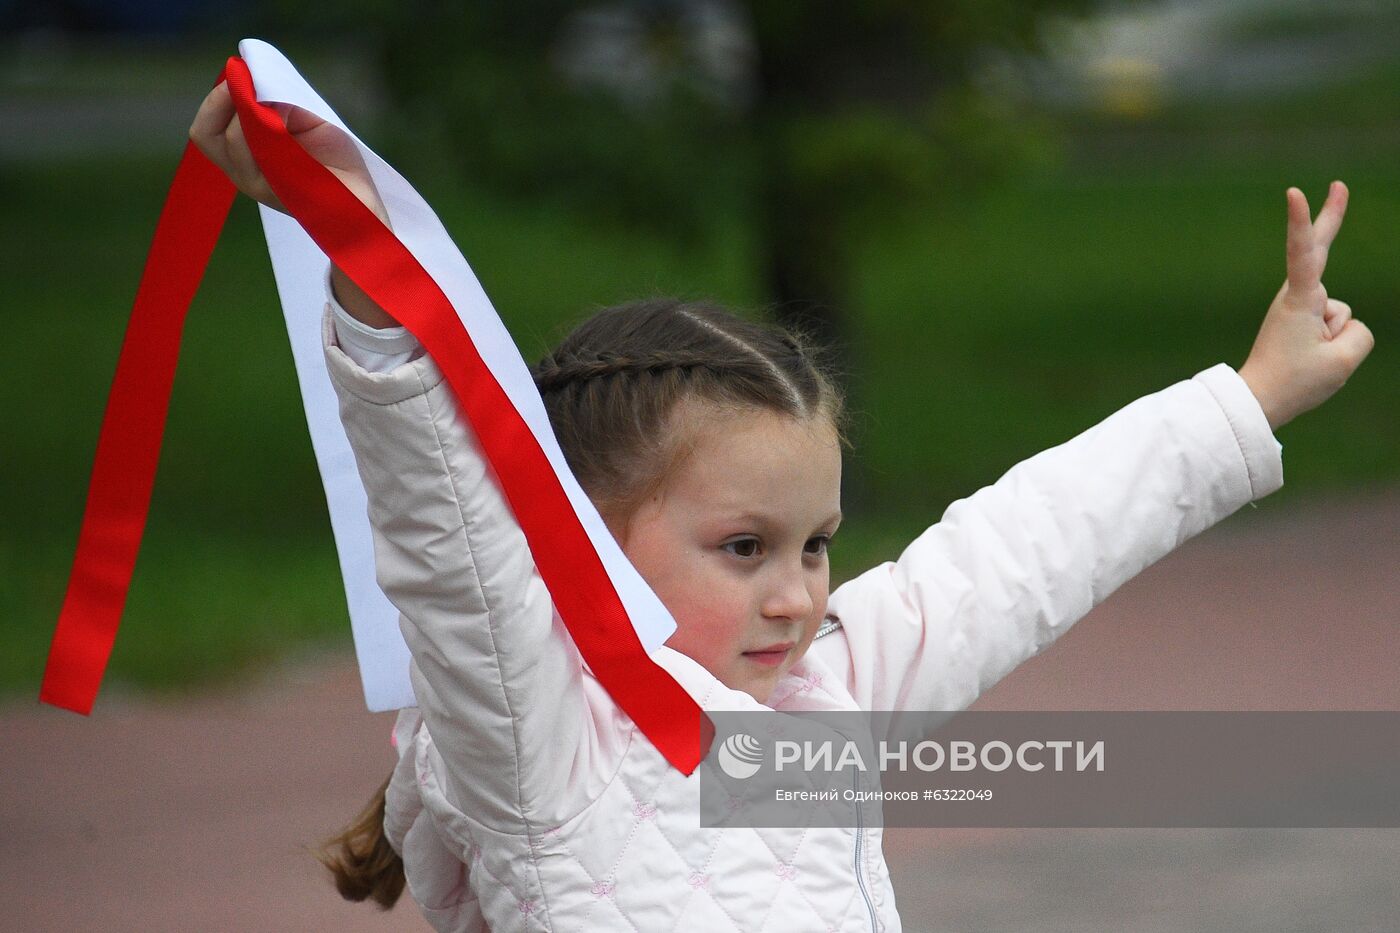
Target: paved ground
{"type": "Point", "coordinates": [193, 816]}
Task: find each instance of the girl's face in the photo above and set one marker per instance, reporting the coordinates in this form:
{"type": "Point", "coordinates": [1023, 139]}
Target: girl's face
{"type": "Point", "coordinates": [734, 542]}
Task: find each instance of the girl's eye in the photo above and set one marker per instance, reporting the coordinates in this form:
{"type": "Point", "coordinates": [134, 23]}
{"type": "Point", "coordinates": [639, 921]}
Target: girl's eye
{"type": "Point", "coordinates": [751, 547]}
{"type": "Point", "coordinates": [744, 547]}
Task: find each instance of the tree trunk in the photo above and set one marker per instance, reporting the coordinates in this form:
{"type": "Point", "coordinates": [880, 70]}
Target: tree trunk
{"type": "Point", "coordinates": [806, 269]}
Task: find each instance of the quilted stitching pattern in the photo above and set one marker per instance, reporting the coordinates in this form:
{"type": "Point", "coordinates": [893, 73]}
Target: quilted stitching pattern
{"type": "Point", "coordinates": [637, 860]}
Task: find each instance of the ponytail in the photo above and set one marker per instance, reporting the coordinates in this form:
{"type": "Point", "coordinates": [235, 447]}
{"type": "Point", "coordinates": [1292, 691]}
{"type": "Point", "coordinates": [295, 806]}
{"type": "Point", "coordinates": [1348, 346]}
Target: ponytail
{"type": "Point", "coordinates": [360, 859]}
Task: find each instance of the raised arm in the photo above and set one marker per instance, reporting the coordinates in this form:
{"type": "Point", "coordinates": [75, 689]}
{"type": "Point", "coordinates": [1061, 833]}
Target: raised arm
{"type": "Point", "coordinates": [499, 681]}
{"type": "Point", "coordinates": [1010, 568]}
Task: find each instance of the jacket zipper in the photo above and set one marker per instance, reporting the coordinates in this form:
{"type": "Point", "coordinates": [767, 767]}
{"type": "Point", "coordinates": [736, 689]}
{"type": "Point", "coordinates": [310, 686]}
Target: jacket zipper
{"type": "Point", "coordinates": [860, 836]}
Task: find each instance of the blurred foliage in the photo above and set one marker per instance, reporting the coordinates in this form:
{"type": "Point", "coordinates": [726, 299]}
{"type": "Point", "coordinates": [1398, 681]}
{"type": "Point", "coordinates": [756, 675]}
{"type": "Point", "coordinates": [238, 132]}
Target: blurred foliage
{"type": "Point", "coordinates": [667, 115]}
{"type": "Point", "coordinates": [1376, 19]}
{"type": "Point", "coordinates": [799, 120]}
{"type": "Point", "coordinates": [856, 102]}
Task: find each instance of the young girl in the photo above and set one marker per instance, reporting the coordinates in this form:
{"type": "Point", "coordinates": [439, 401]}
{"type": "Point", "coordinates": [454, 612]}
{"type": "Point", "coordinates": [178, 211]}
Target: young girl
{"type": "Point", "coordinates": [523, 798]}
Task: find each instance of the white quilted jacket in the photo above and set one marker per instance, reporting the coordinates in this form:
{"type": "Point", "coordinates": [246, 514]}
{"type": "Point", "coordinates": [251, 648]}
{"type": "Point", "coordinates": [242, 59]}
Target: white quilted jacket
{"type": "Point", "coordinates": [525, 800]}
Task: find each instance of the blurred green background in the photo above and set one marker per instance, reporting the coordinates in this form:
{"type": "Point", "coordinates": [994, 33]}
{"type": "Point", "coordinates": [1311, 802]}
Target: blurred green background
{"type": "Point", "coordinates": [1012, 218]}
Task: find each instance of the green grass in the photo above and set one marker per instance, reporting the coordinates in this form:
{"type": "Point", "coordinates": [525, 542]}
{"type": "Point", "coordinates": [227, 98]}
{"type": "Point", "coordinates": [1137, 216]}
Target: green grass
{"type": "Point", "coordinates": [1000, 323]}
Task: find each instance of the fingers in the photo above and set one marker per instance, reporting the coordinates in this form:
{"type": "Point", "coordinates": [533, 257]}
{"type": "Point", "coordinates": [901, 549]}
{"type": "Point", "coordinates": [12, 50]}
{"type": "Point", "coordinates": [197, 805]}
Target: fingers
{"type": "Point", "coordinates": [211, 122]}
{"type": "Point", "coordinates": [1308, 241]}
{"type": "Point", "coordinates": [244, 169]}
{"type": "Point", "coordinates": [298, 119]}
{"type": "Point", "coordinates": [1303, 269]}
{"type": "Point", "coordinates": [219, 135]}
{"type": "Point", "coordinates": [1336, 316]}
{"type": "Point", "coordinates": [1329, 219]}
{"type": "Point", "coordinates": [217, 132]}
{"type": "Point", "coordinates": [1355, 343]}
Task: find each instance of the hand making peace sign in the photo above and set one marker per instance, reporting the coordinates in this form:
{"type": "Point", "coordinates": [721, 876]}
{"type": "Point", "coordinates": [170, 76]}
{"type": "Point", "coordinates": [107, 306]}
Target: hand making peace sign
{"type": "Point", "coordinates": [1309, 344]}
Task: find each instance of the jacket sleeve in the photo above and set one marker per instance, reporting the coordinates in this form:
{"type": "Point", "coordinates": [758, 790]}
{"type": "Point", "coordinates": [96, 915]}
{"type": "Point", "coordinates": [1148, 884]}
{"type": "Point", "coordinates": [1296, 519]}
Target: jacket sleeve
{"type": "Point", "coordinates": [499, 682]}
{"type": "Point", "coordinates": [1009, 569]}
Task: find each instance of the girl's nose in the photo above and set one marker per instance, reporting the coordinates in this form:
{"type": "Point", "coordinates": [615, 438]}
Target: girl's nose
{"type": "Point", "coordinates": [789, 598]}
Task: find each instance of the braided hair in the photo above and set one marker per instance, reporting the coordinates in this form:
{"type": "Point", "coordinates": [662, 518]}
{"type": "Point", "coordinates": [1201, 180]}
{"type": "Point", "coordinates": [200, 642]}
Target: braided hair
{"type": "Point", "coordinates": [612, 388]}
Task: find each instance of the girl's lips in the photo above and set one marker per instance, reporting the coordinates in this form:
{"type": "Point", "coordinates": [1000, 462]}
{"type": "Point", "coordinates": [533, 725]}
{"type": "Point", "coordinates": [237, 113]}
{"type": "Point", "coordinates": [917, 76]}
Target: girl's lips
{"type": "Point", "coordinates": [768, 658]}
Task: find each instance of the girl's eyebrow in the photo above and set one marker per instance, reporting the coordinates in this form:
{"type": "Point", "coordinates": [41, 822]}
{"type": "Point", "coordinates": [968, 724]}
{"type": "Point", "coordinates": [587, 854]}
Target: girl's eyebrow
{"type": "Point", "coordinates": [758, 518]}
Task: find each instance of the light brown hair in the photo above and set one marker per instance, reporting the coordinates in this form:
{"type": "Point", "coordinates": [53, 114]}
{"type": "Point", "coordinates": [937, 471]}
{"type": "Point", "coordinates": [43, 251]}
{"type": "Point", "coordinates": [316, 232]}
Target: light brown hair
{"type": "Point", "coordinates": [362, 863]}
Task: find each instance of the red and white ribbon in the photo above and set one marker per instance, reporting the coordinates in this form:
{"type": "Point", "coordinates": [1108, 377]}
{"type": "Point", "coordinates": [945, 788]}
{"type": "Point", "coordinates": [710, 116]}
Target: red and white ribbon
{"type": "Point", "coordinates": [420, 277]}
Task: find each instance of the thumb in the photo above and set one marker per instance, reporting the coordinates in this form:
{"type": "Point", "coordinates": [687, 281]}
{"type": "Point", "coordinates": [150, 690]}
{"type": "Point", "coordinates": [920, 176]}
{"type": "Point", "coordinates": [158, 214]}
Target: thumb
{"type": "Point", "coordinates": [1354, 343]}
{"type": "Point", "coordinates": [297, 119]}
